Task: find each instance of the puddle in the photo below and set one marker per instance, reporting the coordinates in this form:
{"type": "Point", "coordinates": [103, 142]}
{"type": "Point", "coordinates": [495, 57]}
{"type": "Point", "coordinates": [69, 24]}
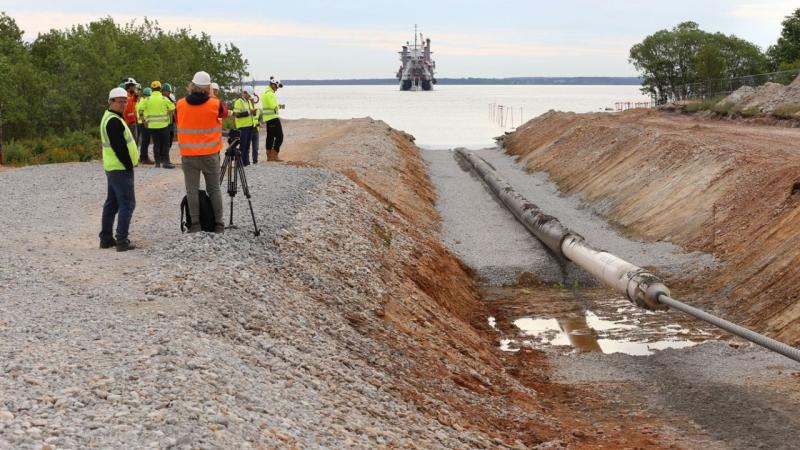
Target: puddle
{"type": "Point", "coordinates": [588, 320]}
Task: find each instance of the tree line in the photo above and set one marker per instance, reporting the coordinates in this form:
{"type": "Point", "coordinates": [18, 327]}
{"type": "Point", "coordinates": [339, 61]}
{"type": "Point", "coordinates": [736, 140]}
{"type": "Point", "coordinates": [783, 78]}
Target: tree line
{"type": "Point", "coordinates": [672, 61]}
{"type": "Point", "coordinates": [59, 82]}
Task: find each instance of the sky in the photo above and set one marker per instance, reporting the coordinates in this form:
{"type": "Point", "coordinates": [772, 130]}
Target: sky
{"type": "Point", "coordinates": [318, 39]}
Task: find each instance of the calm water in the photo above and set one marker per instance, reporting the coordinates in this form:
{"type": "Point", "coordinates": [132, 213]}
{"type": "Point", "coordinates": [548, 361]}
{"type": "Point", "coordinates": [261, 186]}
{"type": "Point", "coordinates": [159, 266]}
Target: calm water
{"type": "Point", "coordinates": [450, 116]}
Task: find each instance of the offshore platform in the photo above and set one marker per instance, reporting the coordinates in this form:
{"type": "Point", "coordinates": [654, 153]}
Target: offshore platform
{"type": "Point", "coordinates": [416, 71]}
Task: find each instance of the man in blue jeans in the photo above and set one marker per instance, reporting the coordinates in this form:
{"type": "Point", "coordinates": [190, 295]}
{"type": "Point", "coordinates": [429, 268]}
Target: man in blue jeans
{"type": "Point", "coordinates": [120, 155]}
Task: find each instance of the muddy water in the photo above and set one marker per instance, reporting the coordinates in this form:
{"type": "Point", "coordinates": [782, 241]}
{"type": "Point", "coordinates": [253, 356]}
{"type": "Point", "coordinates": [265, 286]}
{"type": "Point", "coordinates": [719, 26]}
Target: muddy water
{"type": "Point", "coordinates": [587, 320]}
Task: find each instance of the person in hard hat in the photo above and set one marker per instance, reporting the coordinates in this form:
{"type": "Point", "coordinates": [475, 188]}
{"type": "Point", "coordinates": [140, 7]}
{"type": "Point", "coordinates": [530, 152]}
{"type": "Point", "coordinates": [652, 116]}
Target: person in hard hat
{"type": "Point", "coordinates": [167, 92]}
{"type": "Point", "coordinates": [200, 141]}
{"type": "Point", "coordinates": [244, 120]}
{"type": "Point", "coordinates": [120, 156]}
{"type": "Point", "coordinates": [157, 112]}
{"type": "Point", "coordinates": [270, 106]}
{"type": "Point", "coordinates": [144, 133]}
{"type": "Point", "coordinates": [130, 111]}
{"type": "Point", "coordinates": [214, 90]}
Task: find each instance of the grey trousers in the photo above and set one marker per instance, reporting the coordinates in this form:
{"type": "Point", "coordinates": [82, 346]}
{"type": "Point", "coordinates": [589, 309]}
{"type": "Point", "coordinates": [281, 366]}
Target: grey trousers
{"type": "Point", "coordinates": [208, 165]}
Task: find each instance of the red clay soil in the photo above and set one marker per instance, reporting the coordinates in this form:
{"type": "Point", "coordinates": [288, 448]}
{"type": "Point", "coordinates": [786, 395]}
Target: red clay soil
{"type": "Point", "coordinates": [433, 315]}
{"type": "Point", "coordinates": [723, 187]}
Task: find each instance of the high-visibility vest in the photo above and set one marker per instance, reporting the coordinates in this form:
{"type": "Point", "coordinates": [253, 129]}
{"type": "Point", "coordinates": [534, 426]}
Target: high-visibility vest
{"type": "Point", "coordinates": [157, 111]}
{"type": "Point", "coordinates": [110, 160]}
{"type": "Point", "coordinates": [239, 106]}
{"type": "Point", "coordinates": [199, 131]}
{"type": "Point", "coordinates": [269, 103]}
{"type": "Point", "coordinates": [130, 110]}
{"type": "Point", "coordinates": [140, 109]}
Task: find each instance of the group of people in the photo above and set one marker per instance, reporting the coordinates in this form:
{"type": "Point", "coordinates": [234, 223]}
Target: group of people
{"type": "Point", "coordinates": [132, 120]}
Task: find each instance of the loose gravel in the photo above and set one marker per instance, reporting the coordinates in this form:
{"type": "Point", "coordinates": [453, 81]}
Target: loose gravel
{"type": "Point", "coordinates": [203, 340]}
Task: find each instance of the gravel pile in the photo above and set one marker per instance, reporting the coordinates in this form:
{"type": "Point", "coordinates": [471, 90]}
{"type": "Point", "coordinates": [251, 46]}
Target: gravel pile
{"type": "Point", "coordinates": [200, 341]}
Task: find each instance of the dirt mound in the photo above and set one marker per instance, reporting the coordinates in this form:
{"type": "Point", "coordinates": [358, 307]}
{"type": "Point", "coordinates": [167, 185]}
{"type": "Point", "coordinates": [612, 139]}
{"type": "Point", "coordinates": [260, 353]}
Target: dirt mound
{"type": "Point", "coordinates": [706, 185]}
{"type": "Point", "coordinates": [768, 98]}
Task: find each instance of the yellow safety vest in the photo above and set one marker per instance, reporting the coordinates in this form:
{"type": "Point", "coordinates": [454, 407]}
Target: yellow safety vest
{"type": "Point", "coordinates": [157, 111]}
{"type": "Point", "coordinates": [110, 160]}
{"type": "Point", "coordinates": [269, 104]}
{"type": "Point", "coordinates": [239, 106]}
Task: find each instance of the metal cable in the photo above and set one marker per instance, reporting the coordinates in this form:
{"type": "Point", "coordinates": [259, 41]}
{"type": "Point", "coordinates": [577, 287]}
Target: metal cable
{"type": "Point", "coordinates": [752, 336]}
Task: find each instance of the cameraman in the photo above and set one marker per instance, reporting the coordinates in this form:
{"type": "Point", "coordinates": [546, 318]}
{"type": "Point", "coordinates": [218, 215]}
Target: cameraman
{"type": "Point", "coordinates": [199, 141]}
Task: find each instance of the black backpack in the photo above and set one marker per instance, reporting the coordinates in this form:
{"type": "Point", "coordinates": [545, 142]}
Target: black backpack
{"type": "Point", "coordinates": [206, 213]}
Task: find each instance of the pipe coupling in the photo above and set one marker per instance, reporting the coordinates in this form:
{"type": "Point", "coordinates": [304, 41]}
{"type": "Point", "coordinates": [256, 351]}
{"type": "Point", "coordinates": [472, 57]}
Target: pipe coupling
{"type": "Point", "coordinates": [644, 289]}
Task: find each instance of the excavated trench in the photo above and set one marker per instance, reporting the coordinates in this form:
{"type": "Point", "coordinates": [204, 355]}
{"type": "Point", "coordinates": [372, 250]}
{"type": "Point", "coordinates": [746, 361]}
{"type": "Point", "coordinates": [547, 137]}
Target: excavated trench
{"type": "Point", "coordinates": [642, 363]}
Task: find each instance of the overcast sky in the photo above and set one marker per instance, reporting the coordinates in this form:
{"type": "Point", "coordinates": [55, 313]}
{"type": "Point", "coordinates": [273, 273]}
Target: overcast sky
{"type": "Point", "coordinates": [359, 39]}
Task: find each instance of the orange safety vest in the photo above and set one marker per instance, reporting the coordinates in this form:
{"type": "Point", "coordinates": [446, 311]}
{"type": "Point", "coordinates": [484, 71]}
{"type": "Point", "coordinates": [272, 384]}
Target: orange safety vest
{"type": "Point", "coordinates": [199, 131]}
{"type": "Point", "coordinates": [130, 110]}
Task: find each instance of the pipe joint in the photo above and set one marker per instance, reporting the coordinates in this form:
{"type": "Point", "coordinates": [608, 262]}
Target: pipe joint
{"type": "Point", "coordinates": [644, 290]}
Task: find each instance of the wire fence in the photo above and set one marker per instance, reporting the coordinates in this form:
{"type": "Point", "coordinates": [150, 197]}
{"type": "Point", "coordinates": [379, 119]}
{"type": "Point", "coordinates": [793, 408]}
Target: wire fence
{"type": "Point", "coordinates": [724, 86]}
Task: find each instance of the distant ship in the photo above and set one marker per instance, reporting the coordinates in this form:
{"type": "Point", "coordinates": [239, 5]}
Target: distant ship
{"type": "Point", "coordinates": [416, 66]}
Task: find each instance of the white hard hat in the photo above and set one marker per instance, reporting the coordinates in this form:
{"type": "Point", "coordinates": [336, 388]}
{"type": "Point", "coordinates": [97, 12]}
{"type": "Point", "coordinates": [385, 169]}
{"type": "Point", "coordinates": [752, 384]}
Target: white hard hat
{"type": "Point", "coordinates": [275, 81]}
{"type": "Point", "coordinates": [117, 92]}
{"type": "Point", "coordinates": [215, 86]}
{"type": "Point", "coordinates": [201, 79]}
{"type": "Point", "coordinates": [248, 90]}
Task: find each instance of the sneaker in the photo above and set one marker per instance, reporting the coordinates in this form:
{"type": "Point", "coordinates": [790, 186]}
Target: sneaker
{"type": "Point", "coordinates": [219, 228]}
{"type": "Point", "coordinates": [108, 243]}
{"type": "Point", "coordinates": [168, 166]}
{"type": "Point", "coordinates": [124, 246]}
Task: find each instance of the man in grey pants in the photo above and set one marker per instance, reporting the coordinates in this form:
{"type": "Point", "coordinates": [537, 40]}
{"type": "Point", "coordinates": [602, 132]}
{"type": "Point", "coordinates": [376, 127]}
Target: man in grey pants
{"type": "Point", "coordinates": [200, 141]}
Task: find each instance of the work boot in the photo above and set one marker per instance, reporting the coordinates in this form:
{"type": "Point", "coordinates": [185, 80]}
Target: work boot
{"type": "Point", "coordinates": [168, 165]}
{"type": "Point", "coordinates": [146, 161]}
{"type": "Point", "coordinates": [219, 228]}
{"type": "Point", "coordinates": [157, 164]}
{"type": "Point", "coordinates": [195, 228]}
{"type": "Point", "coordinates": [124, 246]}
{"type": "Point", "coordinates": [108, 243]}
{"type": "Point", "coordinates": [276, 156]}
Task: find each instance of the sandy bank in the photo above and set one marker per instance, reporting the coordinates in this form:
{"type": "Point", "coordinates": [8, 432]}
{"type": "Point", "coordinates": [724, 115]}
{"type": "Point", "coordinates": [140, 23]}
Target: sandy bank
{"type": "Point", "coordinates": [719, 187]}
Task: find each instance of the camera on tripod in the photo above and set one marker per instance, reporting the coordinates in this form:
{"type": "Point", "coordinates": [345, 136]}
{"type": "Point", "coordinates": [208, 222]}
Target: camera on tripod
{"type": "Point", "coordinates": [233, 136]}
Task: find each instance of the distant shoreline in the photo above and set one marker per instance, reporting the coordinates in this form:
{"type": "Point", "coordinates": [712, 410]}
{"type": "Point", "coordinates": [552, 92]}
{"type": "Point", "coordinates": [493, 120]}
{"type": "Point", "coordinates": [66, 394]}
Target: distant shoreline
{"type": "Point", "coordinates": [545, 81]}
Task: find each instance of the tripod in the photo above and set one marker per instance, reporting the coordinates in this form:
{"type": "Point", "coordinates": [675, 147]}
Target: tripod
{"type": "Point", "coordinates": [233, 169]}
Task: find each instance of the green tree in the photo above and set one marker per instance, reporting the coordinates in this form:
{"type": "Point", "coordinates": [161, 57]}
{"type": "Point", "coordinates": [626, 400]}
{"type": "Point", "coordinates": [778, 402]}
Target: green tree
{"type": "Point", "coordinates": [672, 61]}
{"type": "Point", "coordinates": [786, 52]}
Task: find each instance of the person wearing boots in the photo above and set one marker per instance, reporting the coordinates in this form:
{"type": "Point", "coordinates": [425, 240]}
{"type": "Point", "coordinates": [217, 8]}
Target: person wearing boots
{"type": "Point", "coordinates": [270, 106]}
{"type": "Point", "coordinates": [200, 141]}
{"type": "Point", "coordinates": [144, 134]}
{"type": "Point", "coordinates": [120, 156]}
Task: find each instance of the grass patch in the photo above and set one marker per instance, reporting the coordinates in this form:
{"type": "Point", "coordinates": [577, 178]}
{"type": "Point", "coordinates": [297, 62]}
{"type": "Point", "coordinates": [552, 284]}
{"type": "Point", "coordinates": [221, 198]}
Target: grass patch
{"type": "Point", "coordinates": [724, 108]}
{"type": "Point", "coordinates": [73, 146]}
{"type": "Point", "coordinates": [752, 111]}
{"type": "Point", "coordinates": [705, 105]}
{"type": "Point", "coordinates": [787, 111]}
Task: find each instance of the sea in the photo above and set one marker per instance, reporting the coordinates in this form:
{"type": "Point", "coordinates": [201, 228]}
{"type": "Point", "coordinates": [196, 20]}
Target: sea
{"type": "Point", "coordinates": [452, 115]}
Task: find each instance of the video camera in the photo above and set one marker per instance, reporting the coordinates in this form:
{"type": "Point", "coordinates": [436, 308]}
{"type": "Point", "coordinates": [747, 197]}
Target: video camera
{"type": "Point", "coordinates": [233, 136]}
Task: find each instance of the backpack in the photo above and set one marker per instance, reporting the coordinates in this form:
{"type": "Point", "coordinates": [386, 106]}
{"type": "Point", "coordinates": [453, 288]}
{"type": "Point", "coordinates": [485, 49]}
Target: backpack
{"type": "Point", "coordinates": [206, 213]}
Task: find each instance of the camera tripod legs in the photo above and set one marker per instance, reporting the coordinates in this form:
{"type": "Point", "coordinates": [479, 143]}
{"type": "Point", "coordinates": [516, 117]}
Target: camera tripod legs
{"type": "Point", "coordinates": [232, 169]}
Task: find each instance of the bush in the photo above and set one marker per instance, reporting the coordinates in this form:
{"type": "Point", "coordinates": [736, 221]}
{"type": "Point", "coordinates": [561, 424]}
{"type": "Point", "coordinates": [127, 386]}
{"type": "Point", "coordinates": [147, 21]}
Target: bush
{"type": "Point", "coordinates": [787, 111]}
{"type": "Point", "coordinates": [724, 108]}
{"type": "Point", "coordinates": [73, 146]}
{"type": "Point", "coordinates": [752, 111]}
{"type": "Point", "coordinates": [705, 105]}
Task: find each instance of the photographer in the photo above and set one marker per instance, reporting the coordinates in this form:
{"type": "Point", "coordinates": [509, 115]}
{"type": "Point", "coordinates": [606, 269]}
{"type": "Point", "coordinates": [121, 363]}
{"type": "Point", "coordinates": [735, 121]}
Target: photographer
{"type": "Point", "coordinates": [270, 106]}
{"type": "Point", "coordinates": [199, 141]}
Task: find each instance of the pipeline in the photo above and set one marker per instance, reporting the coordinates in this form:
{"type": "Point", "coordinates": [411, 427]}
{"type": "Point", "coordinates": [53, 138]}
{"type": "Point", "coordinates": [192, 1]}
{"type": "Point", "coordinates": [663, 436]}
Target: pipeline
{"type": "Point", "coordinates": [641, 287]}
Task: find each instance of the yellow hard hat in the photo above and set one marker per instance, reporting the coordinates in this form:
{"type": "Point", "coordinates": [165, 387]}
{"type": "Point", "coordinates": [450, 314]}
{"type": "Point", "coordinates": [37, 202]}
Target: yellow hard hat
{"type": "Point", "coordinates": [155, 84]}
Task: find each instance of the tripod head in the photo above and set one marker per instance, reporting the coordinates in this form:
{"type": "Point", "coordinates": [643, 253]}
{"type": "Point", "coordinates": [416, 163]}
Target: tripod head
{"type": "Point", "coordinates": [233, 143]}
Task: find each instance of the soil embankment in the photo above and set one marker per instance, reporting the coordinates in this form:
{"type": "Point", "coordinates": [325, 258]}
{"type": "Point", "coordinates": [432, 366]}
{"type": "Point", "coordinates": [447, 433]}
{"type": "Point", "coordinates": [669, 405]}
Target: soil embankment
{"type": "Point", "coordinates": [721, 187]}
